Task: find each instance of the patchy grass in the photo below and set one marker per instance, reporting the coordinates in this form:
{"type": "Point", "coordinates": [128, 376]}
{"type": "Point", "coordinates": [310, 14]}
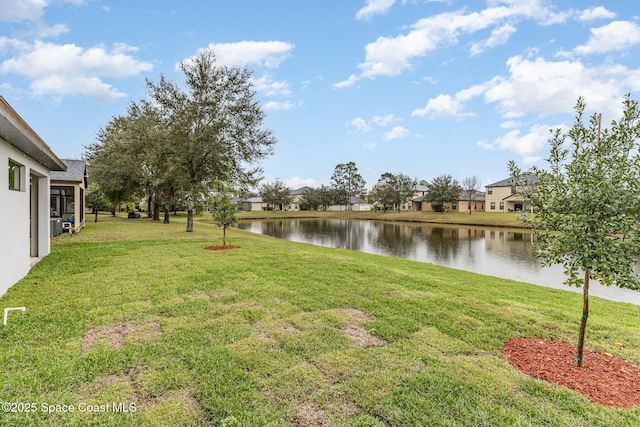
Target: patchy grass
{"type": "Point", "coordinates": [137, 314]}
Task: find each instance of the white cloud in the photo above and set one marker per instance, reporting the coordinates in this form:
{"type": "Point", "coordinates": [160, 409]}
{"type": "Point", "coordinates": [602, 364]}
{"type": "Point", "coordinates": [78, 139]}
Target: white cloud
{"type": "Point", "coordinates": [617, 35]}
{"type": "Point", "coordinates": [267, 87]}
{"type": "Point", "coordinates": [360, 124]}
{"type": "Point", "coordinates": [24, 10]}
{"type": "Point", "coordinates": [374, 7]}
{"type": "Point", "coordinates": [548, 87]}
{"type": "Point", "coordinates": [277, 105]}
{"type": "Point", "coordinates": [390, 56]}
{"type": "Point", "coordinates": [269, 54]}
{"type": "Point", "coordinates": [384, 120]}
{"type": "Point", "coordinates": [527, 146]}
{"type": "Point", "coordinates": [71, 70]}
{"type": "Point", "coordinates": [442, 107]}
{"type": "Point", "coordinates": [595, 13]}
{"type": "Point", "coordinates": [499, 36]}
{"type": "Point", "coordinates": [398, 132]}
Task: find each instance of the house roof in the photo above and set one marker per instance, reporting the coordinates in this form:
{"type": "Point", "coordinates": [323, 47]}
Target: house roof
{"type": "Point", "coordinates": [478, 196]}
{"type": "Point", "coordinates": [508, 182]}
{"type": "Point", "coordinates": [253, 200]}
{"type": "Point", "coordinates": [15, 131]}
{"type": "Point", "coordinates": [300, 190]}
{"type": "Point", "coordinates": [76, 172]}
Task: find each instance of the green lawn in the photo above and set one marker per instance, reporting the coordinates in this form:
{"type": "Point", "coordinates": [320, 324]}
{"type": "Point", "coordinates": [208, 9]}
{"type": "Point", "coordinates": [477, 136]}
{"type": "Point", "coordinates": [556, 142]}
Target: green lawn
{"type": "Point", "coordinates": [138, 314]}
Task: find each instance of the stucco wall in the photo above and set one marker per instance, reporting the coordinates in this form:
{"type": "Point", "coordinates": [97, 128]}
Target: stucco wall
{"type": "Point", "coordinates": [15, 247]}
{"type": "Point", "coordinates": [498, 195]}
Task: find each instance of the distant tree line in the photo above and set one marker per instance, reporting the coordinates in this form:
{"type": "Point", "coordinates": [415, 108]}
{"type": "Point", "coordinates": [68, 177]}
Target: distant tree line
{"type": "Point", "coordinates": [389, 193]}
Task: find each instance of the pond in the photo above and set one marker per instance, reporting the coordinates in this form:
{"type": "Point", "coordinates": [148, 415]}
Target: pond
{"type": "Point", "coordinates": [498, 252]}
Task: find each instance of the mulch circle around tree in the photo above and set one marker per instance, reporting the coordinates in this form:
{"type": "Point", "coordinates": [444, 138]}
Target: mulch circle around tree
{"type": "Point", "coordinates": [220, 248]}
{"type": "Point", "coordinates": [602, 378]}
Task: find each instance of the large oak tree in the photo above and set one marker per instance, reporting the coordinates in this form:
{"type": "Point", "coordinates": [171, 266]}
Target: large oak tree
{"type": "Point", "coordinates": [214, 125]}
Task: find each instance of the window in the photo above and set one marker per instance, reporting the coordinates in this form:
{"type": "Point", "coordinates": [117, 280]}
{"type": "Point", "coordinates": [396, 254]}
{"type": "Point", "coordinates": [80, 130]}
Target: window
{"type": "Point", "coordinates": [501, 206]}
{"type": "Point", "coordinates": [15, 175]}
{"type": "Point", "coordinates": [493, 206]}
{"type": "Point", "coordinates": [489, 190]}
{"type": "Point", "coordinates": [454, 206]}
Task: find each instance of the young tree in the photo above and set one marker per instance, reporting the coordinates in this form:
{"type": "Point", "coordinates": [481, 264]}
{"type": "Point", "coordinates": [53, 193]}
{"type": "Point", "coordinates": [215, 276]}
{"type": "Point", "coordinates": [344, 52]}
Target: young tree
{"type": "Point", "coordinates": [442, 189]}
{"type": "Point", "coordinates": [276, 193]}
{"type": "Point", "coordinates": [215, 127]}
{"type": "Point", "coordinates": [223, 208]}
{"type": "Point", "coordinates": [470, 186]}
{"type": "Point", "coordinates": [347, 182]}
{"type": "Point", "coordinates": [586, 204]}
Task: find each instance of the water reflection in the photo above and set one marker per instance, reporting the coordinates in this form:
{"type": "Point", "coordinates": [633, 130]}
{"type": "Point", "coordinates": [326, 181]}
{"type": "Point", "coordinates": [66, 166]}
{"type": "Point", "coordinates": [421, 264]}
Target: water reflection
{"type": "Point", "coordinates": [489, 251]}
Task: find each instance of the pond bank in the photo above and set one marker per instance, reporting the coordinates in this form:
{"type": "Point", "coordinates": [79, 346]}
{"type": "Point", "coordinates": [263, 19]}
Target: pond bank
{"type": "Point", "coordinates": [484, 219]}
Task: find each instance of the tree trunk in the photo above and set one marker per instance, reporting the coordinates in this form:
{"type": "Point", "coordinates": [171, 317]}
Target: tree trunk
{"type": "Point", "coordinates": [149, 215]}
{"type": "Point", "coordinates": [95, 211]}
{"type": "Point", "coordinates": [224, 236]}
{"type": "Point", "coordinates": [156, 210]}
{"type": "Point", "coordinates": [585, 316]}
{"type": "Point", "coordinates": [166, 215]}
{"type": "Point", "coordinates": [189, 220]}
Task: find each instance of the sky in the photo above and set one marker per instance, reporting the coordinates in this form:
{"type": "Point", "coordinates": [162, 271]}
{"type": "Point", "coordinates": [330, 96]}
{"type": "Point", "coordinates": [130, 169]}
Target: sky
{"type": "Point", "coordinates": [420, 87]}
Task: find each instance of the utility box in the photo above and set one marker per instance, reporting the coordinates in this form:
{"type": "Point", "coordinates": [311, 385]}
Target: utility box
{"type": "Point", "coordinates": [56, 226]}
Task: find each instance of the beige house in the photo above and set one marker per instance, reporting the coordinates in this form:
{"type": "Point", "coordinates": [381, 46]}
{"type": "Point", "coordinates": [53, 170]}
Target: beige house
{"type": "Point", "coordinates": [68, 194]}
{"type": "Point", "coordinates": [477, 204]}
{"type": "Point", "coordinates": [502, 196]}
{"type": "Point", "coordinates": [253, 204]}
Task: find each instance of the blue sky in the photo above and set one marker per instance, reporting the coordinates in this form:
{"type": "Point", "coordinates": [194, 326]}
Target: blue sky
{"type": "Point", "coordinates": [423, 87]}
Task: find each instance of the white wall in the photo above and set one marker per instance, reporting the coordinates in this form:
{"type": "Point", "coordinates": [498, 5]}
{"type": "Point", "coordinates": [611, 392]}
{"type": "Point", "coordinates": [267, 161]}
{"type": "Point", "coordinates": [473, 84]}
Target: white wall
{"type": "Point", "coordinates": [15, 248]}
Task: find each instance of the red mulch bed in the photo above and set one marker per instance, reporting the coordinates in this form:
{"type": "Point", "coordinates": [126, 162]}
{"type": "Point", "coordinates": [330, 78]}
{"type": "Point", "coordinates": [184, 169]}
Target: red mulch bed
{"type": "Point", "coordinates": [602, 379]}
{"type": "Point", "coordinates": [220, 248]}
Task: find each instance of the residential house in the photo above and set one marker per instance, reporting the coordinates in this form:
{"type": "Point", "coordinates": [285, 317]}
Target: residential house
{"type": "Point", "coordinates": [420, 191]}
{"type": "Point", "coordinates": [477, 203]}
{"type": "Point", "coordinates": [24, 196]}
{"type": "Point", "coordinates": [256, 203]}
{"type": "Point", "coordinates": [67, 193]}
{"type": "Point", "coordinates": [253, 204]}
{"type": "Point", "coordinates": [296, 197]}
{"type": "Point", "coordinates": [503, 196]}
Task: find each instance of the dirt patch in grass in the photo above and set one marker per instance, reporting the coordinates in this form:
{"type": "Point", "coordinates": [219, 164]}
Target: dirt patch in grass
{"type": "Point", "coordinates": [362, 337]}
{"type": "Point", "coordinates": [602, 378]}
{"type": "Point", "coordinates": [356, 315]}
{"type": "Point", "coordinates": [221, 248]}
{"type": "Point", "coordinates": [115, 335]}
{"type": "Point", "coordinates": [357, 333]}
{"type": "Point", "coordinates": [310, 415]}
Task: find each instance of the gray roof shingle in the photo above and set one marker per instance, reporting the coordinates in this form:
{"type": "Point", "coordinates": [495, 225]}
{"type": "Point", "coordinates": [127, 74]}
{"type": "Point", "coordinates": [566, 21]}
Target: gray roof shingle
{"type": "Point", "coordinates": [76, 171]}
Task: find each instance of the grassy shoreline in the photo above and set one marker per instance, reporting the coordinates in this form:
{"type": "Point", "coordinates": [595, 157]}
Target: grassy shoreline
{"type": "Point", "coordinates": [506, 220]}
{"type": "Point", "coordinates": [282, 333]}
